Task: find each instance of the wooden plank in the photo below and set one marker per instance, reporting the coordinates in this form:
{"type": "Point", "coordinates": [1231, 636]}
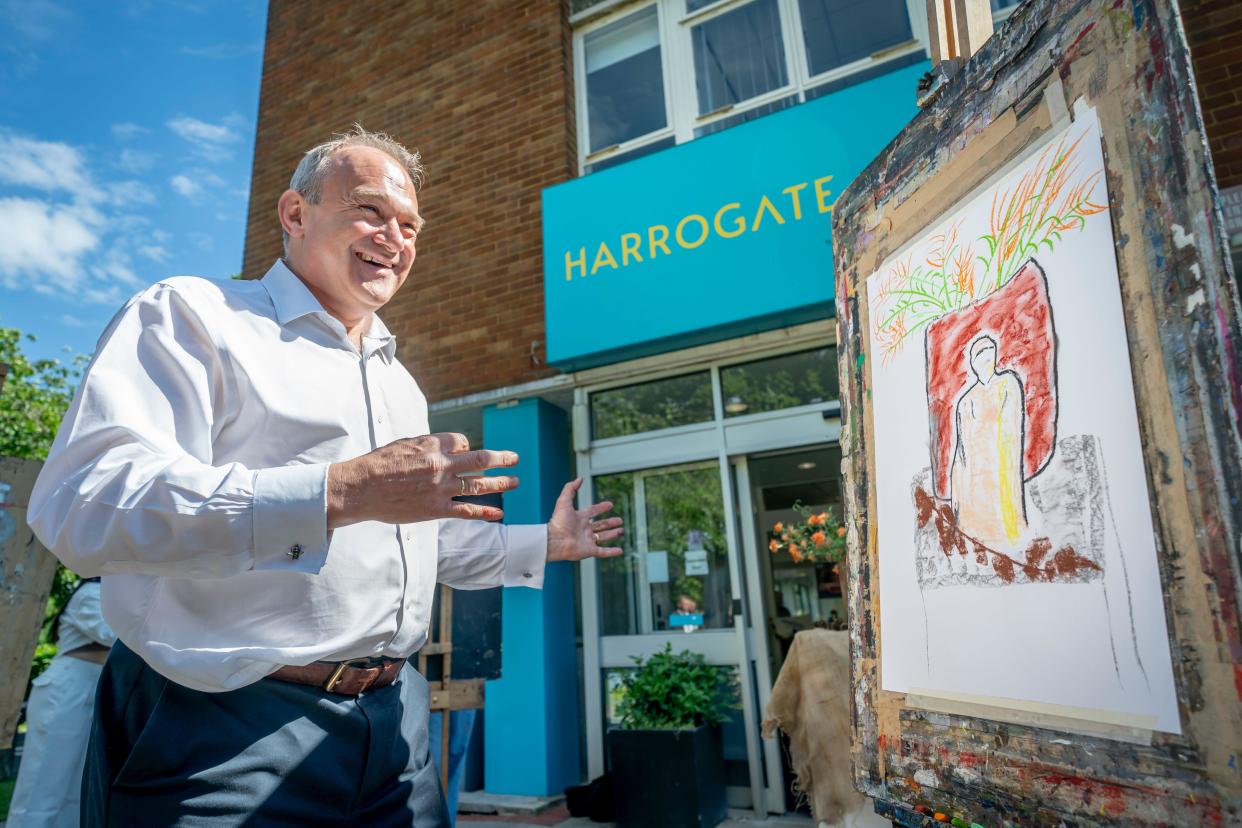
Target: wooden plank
{"type": "Point", "coordinates": [1130, 62]}
{"type": "Point", "coordinates": [26, 572]}
{"type": "Point", "coordinates": [461, 694]}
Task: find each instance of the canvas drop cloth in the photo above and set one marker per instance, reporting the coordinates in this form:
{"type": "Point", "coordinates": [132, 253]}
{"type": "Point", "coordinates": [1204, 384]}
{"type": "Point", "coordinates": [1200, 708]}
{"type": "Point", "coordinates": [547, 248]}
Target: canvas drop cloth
{"type": "Point", "coordinates": [810, 704]}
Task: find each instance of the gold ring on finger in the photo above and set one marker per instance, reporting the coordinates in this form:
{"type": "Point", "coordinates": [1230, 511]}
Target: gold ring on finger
{"type": "Point", "coordinates": [463, 486]}
{"type": "Point", "coordinates": [596, 536]}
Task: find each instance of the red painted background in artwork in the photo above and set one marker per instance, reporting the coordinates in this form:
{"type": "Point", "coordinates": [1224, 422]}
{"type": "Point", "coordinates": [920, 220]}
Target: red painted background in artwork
{"type": "Point", "coordinates": [1019, 318]}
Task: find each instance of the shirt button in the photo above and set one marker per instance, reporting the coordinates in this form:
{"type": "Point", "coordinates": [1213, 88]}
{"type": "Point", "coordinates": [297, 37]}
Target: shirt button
{"type": "Point", "coordinates": [295, 551]}
{"type": "Point", "coordinates": [528, 575]}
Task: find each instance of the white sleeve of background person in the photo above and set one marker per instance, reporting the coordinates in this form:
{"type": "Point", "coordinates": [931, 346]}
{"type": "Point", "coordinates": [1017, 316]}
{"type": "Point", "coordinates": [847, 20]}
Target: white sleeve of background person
{"type": "Point", "coordinates": [476, 554]}
{"type": "Point", "coordinates": [129, 485]}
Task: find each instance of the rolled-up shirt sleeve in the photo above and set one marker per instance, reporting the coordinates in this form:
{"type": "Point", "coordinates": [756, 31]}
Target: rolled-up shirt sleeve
{"type": "Point", "coordinates": [475, 554]}
{"type": "Point", "coordinates": [129, 485]}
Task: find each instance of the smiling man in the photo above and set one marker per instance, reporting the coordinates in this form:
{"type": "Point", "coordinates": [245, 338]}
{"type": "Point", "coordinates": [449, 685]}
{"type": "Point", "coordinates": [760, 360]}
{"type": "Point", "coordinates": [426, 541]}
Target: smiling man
{"type": "Point", "coordinates": [249, 467]}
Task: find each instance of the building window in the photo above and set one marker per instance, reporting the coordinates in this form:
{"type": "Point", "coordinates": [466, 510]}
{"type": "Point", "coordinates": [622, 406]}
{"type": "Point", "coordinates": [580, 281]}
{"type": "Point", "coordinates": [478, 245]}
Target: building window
{"type": "Point", "coordinates": [651, 406]}
{"type": "Point", "coordinates": [840, 32]}
{"type": "Point", "coordinates": [738, 55]}
{"type": "Point", "coordinates": [668, 71]}
{"type": "Point", "coordinates": [624, 81]}
{"type": "Point", "coordinates": [786, 381]}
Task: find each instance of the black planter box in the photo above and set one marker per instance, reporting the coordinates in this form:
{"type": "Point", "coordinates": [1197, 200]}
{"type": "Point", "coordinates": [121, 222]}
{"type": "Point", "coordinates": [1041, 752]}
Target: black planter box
{"type": "Point", "coordinates": [668, 778]}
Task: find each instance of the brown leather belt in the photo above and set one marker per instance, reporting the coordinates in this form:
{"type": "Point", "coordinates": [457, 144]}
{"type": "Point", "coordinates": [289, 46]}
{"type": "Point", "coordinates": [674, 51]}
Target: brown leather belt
{"type": "Point", "coordinates": [346, 678]}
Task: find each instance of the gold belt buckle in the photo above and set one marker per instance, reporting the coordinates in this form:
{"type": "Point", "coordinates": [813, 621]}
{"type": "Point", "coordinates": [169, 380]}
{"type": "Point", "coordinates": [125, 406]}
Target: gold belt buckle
{"type": "Point", "coordinates": [335, 678]}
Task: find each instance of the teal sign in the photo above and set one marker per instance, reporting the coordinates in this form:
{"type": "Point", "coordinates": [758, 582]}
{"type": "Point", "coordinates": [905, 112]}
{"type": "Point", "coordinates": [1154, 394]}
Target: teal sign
{"type": "Point", "coordinates": [722, 236]}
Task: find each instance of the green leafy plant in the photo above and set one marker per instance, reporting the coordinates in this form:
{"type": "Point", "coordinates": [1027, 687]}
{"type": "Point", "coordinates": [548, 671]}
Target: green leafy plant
{"type": "Point", "coordinates": [676, 691]}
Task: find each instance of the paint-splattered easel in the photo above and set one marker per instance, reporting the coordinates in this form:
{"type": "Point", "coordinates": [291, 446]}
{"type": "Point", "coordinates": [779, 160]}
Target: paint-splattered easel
{"type": "Point", "coordinates": [982, 109]}
{"type": "Point", "coordinates": [26, 571]}
{"type": "Point", "coordinates": [447, 695]}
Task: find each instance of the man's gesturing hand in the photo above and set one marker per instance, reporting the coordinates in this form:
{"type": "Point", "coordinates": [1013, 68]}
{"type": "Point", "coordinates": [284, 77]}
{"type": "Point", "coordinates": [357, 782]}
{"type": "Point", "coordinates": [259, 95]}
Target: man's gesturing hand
{"type": "Point", "coordinates": [416, 479]}
{"type": "Point", "coordinates": [574, 534]}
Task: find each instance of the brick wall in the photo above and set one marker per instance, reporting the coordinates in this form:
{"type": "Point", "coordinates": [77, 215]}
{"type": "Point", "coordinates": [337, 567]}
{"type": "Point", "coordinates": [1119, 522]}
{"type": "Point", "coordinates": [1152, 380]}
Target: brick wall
{"type": "Point", "coordinates": [484, 90]}
{"type": "Point", "coordinates": [1214, 31]}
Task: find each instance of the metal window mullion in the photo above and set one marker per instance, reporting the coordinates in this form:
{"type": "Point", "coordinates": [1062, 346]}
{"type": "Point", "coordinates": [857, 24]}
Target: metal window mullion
{"type": "Point", "coordinates": [644, 588]}
{"type": "Point", "coordinates": [589, 582]}
{"type": "Point", "coordinates": [681, 69]}
{"type": "Point", "coordinates": [750, 714]}
{"type": "Point", "coordinates": [753, 548]}
{"type": "Point", "coordinates": [796, 57]}
{"type": "Point", "coordinates": [580, 87]}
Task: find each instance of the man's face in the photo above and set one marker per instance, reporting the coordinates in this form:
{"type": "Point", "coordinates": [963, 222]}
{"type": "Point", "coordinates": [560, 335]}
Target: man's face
{"type": "Point", "coordinates": [356, 246]}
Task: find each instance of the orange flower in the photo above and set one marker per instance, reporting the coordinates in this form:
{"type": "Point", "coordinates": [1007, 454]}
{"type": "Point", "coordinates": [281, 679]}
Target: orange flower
{"type": "Point", "coordinates": [795, 553]}
{"type": "Point", "coordinates": [819, 538]}
{"type": "Point", "coordinates": [823, 518]}
{"type": "Point", "coordinates": [773, 545]}
{"type": "Point", "coordinates": [840, 531]}
{"type": "Point", "coordinates": [778, 528]}
{"type": "Point", "coordinates": [815, 520]}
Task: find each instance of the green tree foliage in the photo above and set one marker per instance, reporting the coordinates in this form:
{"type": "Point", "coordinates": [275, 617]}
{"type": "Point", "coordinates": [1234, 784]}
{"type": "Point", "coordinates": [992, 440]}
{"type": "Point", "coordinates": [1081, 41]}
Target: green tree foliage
{"type": "Point", "coordinates": [33, 401]}
{"type": "Point", "coordinates": [676, 691]}
{"type": "Point", "coordinates": [34, 398]}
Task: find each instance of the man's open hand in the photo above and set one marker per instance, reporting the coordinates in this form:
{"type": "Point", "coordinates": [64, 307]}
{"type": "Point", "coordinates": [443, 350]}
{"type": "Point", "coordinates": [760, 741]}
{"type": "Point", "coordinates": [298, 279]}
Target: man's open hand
{"type": "Point", "coordinates": [416, 479]}
{"type": "Point", "coordinates": [574, 534]}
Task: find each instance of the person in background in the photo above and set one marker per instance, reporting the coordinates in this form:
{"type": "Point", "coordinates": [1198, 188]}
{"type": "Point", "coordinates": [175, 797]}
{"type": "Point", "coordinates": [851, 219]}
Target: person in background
{"type": "Point", "coordinates": [59, 714]}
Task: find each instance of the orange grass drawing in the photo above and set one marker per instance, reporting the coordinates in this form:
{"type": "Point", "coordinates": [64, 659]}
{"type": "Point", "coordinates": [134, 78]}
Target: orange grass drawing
{"type": "Point", "coordinates": [1050, 199]}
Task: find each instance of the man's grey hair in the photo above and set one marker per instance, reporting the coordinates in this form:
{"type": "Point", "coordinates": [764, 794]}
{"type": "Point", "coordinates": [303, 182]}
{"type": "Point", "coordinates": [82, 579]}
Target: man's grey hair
{"type": "Point", "coordinates": [311, 171]}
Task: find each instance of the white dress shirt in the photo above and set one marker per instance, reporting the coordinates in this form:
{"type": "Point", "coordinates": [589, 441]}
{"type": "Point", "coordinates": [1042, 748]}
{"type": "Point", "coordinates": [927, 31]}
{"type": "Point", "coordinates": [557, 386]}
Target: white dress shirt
{"type": "Point", "coordinates": [191, 472]}
{"type": "Point", "coordinates": [82, 622]}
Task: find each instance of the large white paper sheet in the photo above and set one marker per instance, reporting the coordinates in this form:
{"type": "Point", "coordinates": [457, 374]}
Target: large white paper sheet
{"type": "Point", "coordinates": [1015, 542]}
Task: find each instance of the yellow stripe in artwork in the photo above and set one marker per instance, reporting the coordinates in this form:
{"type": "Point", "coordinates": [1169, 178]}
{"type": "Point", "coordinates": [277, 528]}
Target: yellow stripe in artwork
{"type": "Point", "coordinates": [1009, 511]}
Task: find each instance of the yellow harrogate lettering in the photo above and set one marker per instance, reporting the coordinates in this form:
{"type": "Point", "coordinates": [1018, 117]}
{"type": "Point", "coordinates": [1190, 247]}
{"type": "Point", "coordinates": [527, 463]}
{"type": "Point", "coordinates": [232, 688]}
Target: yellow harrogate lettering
{"type": "Point", "coordinates": [822, 193]}
{"type": "Point", "coordinates": [739, 226]}
{"type": "Point", "coordinates": [765, 202]}
{"type": "Point", "coordinates": [629, 247]}
{"type": "Point", "coordinates": [661, 242]}
{"type": "Point", "coordinates": [694, 230]}
{"type": "Point", "coordinates": [681, 225]}
{"type": "Point", "coordinates": [603, 257]}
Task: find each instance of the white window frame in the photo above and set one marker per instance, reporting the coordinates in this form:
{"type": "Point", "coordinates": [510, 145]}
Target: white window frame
{"type": "Point", "coordinates": [677, 62]}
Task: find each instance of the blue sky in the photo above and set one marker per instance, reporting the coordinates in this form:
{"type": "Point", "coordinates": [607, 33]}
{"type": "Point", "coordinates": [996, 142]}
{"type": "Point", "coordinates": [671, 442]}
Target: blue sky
{"type": "Point", "coordinates": [126, 139]}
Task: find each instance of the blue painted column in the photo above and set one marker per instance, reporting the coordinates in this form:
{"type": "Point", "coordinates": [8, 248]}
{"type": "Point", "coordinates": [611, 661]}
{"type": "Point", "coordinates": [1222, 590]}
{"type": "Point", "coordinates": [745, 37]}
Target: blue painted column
{"type": "Point", "coordinates": [531, 711]}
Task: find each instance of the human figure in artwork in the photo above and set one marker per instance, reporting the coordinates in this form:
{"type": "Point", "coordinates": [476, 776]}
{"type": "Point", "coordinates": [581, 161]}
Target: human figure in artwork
{"type": "Point", "coordinates": [986, 474]}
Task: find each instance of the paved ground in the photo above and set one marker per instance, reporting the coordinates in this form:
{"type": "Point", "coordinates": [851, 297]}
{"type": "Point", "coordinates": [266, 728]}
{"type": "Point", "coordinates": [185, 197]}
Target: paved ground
{"type": "Point", "coordinates": [559, 817]}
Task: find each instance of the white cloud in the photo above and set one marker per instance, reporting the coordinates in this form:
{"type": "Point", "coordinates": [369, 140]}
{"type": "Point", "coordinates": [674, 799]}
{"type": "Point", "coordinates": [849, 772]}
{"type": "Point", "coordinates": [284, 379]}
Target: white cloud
{"type": "Point", "coordinates": [36, 21]}
{"type": "Point", "coordinates": [202, 241]}
{"type": "Point", "coordinates": [186, 186]}
{"type": "Point", "coordinates": [44, 165]}
{"type": "Point", "coordinates": [124, 193]}
{"type": "Point", "coordinates": [154, 252]}
{"type": "Point", "coordinates": [211, 141]}
{"type": "Point", "coordinates": [127, 131]}
{"type": "Point", "coordinates": [42, 245]}
{"type": "Point", "coordinates": [72, 321]}
{"type": "Point", "coordinates": [135, 161]}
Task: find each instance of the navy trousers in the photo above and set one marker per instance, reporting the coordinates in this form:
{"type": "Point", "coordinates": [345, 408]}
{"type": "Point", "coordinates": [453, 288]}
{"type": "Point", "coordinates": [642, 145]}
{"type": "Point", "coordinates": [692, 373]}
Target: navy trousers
{"type": "Point", "coordinates": [273, 753]}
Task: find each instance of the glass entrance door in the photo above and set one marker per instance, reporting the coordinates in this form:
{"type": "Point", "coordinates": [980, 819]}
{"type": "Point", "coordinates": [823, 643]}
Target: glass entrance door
{"type": "Point", "coordinates": [675, 584]}
{"type": "Point", "coordinates": [786, 595]}
{"type": "Point", "coordinates": [675, 574]}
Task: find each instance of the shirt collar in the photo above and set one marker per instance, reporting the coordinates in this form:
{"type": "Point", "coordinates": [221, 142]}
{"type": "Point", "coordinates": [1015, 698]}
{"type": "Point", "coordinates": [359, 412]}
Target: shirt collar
{"type": "Point", "coordinates": [292, 299]}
